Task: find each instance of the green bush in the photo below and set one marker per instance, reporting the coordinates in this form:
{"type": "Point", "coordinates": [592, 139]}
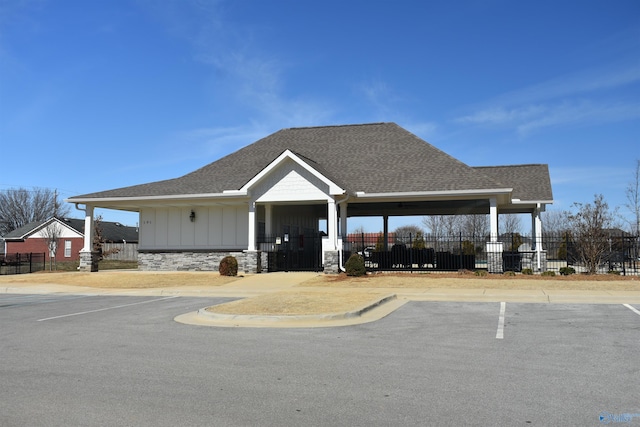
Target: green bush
{"type": "Point", "coordinates": [509, 273]}
{"type": "Point", "coordinates": [355, 266]}
{"type": "Point", "coordinates": [614, 272]}
{"type": "Point", "coordinates": [567, 271]}
{"type": "Point", "coordinates": [481, 273]}
{"type": "Point", "coordinates": [228, 266]}
{"type": "Point", "coordinates": [527, 271]}
{"type": "Point", "coordinates": [549, 273]}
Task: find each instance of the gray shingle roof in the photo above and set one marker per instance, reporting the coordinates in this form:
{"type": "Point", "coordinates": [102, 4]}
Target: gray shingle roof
{"type": "Point", "coordinates": [529, 182]}
{"type": "Point", "coordinates": [372, 158]}
{"type": "Point", "coordinates": [111, 231]}
{"type": "Point", "coordinates": [25, 229]}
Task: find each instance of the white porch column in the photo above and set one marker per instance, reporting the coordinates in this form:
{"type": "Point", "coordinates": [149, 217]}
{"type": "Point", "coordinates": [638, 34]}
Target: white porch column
{"type": "Point", "coordinates": [252, 226]}
{"type": "Point", "coordinates": [88, 258]}
{"type": "Point", "coordinates": [343, 220]}
{"type": "Point", "coordinates": [268, 211]}
{"type": "Point", "coordinates": [494, 247]}
{"type": "Point", "coordinates": [536, 225]}
{"type": "Point", "coordinates": [493, 218]}
{"type": "Point", "coordinates": [88, 229]}
{"type": "Point", "coordinates": [332, 225]}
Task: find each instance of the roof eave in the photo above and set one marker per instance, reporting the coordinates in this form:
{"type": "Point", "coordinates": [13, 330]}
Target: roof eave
{"type": "Point", "coordinates": [438, 193]}
{"type": "Point", "coordinates": [531, 202]}
{"type": "Point", "coordinates": [227, 194]}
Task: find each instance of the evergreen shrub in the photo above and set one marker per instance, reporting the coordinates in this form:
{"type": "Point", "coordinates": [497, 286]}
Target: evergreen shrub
{"type": "Point", "coordinates": [566, 271]}
{"type": "Point", "coordinates": [355, 266]}
{"type": "Point", "coordinates": [228, 266]}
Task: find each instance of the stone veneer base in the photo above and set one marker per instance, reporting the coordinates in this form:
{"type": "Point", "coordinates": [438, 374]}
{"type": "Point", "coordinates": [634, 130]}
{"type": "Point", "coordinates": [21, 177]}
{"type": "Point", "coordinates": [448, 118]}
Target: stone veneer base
{"type": "Point", "coordinates": [248, 262]}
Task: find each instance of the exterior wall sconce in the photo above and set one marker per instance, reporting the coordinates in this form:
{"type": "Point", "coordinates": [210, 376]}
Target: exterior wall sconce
{"type": "Point", "coordinates": [192, 216]}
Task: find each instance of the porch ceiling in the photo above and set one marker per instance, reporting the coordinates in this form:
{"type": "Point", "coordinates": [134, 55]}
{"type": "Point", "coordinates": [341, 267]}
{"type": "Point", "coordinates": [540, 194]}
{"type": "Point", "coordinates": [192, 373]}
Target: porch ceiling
{"type": "Point", "coordinates": [441, 207]}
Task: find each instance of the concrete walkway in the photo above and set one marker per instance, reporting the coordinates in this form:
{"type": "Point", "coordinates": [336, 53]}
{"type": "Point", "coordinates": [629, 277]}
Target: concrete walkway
{"type": "Point", "coordinates": [292, 282]}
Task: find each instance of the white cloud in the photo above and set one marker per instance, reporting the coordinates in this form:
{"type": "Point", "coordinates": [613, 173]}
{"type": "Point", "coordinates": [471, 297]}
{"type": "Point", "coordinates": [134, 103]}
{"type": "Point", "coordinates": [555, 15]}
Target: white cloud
{"type": "Point", "coordinates": [578, 113]}
{"type": "Point", "coordinates": [585, 97]}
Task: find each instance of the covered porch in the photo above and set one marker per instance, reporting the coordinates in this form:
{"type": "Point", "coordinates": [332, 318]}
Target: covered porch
{"type": "Point", "coordinates": [494, 250]}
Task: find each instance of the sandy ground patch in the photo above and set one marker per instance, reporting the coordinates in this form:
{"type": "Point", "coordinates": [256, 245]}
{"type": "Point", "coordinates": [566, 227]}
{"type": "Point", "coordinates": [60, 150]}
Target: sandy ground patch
{"type": "Point", "coordinates": [113, 279]}
{"type": "Point", "coordinates": [302, 302]}
{"type": "Point", "coordinates": [471, 281]}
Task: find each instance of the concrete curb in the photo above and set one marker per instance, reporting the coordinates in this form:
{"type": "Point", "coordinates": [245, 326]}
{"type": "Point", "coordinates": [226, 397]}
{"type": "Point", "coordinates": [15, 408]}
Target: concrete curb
{"type": "Point", "coordinates": [369, 313]}
{"type": "Point", "coordinates": [207, 313]}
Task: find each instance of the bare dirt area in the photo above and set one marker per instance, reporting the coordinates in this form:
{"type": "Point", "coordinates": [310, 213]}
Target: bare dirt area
{"type": "Point", "coordinates": [468, 280]}
{"type": "Point", "coordinates": [122, 279]}
{"type": "Point", "coordinates": [303, 302]}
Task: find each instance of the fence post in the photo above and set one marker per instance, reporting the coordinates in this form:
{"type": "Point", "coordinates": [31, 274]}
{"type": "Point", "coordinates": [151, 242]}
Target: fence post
{"type": "Point", "coordinates": [460, 250]}
{"type": "Point", "coordinates": [566, 245]}
{"type": "Point", "coordinates": [410, 253]}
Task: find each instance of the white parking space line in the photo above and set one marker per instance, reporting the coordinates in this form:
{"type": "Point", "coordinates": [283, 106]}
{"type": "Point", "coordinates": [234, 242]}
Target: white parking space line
{"type": "Point", "coordinates": [500, 333]}
{"type": "Point", "coordinates": [106, 308]}
{"type": "Point", "coordinates": [632, 309]}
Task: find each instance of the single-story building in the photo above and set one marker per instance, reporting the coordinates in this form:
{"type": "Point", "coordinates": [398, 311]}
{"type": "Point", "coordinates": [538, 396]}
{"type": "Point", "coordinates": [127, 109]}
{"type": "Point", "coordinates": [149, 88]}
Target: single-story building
{"type": "Point", "coordinates": [297, 188]}
{"type": "Point", "coordinates": [70, 238]}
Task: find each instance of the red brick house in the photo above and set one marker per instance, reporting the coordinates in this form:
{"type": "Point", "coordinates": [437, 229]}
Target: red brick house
{"type": "Point", "coordinates": [34, 237]}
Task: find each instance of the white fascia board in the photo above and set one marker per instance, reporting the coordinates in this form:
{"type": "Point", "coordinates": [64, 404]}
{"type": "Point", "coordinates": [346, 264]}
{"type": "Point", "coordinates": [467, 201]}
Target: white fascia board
{"type": "Point", "coordinates": [61, 223]}
{"type": "Point", "coordinates": [441, 193]}
{"type": "Point", "coordinates": [36, 229]}
{"type": "Point", "coordinates": [531, 202]}
{"type": "Point", "coordinates": [67, 226]}
{"type": "Point", "coordinates": [97, 200]}
{"type": "Point", "coordinates": [45, 224]}
{"type": "Point", "coordinates": [334, 189]}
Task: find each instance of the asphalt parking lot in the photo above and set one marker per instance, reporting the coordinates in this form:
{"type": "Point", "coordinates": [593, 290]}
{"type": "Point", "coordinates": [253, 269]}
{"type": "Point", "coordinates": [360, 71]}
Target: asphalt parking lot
{"type": "Point", "coordinates": [96, 360]}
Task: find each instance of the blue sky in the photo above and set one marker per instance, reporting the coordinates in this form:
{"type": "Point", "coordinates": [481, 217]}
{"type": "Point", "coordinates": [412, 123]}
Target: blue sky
{"type": "Point", "coordinates": [98, 95]}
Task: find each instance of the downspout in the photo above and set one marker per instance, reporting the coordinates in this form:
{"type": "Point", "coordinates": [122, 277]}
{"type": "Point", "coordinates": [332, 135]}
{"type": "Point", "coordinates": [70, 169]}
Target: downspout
{"type": "Point", "coordinates": [340, 266]}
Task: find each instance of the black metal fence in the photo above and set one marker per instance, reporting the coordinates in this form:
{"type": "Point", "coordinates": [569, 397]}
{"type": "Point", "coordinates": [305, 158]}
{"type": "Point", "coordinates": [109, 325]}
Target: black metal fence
{"type": "Point", "coordinates": [292, 253]}
{"type": "Point", "coordinates": [21, 263]}
{"type": "Point", "coordinates": [619, 254]}
{"type": "Point", "coordinates": [418, 252]}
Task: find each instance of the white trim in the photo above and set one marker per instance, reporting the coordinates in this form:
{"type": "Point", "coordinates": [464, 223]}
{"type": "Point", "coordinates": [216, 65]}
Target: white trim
{"type": "Point", "coordinates": [528, 202]}
{"type": "Point", "coordinates": [232, 193]}
{"type": "Point", "coordinates": [334, 189]}
{"type": "Point", "coordinates": [44, 225]}
{"type": "Point", "coordinates": [363, 195]}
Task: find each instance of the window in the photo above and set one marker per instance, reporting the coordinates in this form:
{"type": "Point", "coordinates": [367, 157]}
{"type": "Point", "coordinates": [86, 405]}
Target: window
{"type": "Point", "coordinates": [67, 248]}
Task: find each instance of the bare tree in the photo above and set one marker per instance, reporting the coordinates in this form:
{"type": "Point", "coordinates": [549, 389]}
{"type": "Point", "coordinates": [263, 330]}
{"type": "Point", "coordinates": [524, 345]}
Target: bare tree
{"type": "Point", "coordinates": [98, 240]}
{"type": "Point", "coordinates": [19, 206]}
{"type": "Point", "coordinates": [590, 231]}
{"type": "Point", "coordinates": [555, 222]}
{"type": "Point", "coordinates": [406, 233]}
{"type": "Point", "coordinates": [52, 234]}
{"type": "Point", "coordinates": [443, 230]}
{"type": "Point", "coordinates": [474, 226]}
{"type": "Point", "coordinates": [633, 198]}
{"type": "Point", "coordinates": [510, 223]}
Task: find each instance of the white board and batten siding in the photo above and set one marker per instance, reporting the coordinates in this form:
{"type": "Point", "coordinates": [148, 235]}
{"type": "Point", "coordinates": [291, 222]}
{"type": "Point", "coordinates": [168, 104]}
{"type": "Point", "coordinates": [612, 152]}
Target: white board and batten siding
{"type": "Point", "coordinates": [214, 227]}
{"type": "Point", "coordinates": [290, 182]}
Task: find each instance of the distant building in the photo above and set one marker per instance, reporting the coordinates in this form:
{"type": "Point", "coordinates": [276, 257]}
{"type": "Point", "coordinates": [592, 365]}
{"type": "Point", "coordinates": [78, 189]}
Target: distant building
{"type": "Point", "coordinates": [33, 238]}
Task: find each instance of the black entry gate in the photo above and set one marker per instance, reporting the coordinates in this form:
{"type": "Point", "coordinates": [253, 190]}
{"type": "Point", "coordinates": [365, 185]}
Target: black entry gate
{"type": "Point", "coordinates": [293, 253]}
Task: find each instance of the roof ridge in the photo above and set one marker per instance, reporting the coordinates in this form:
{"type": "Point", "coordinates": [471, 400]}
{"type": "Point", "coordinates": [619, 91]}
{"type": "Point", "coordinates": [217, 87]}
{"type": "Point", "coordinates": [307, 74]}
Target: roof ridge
{"type": "Point", "coordinates": [511, 166]}
{"type": "Point", "coordinates": [338, 126]}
